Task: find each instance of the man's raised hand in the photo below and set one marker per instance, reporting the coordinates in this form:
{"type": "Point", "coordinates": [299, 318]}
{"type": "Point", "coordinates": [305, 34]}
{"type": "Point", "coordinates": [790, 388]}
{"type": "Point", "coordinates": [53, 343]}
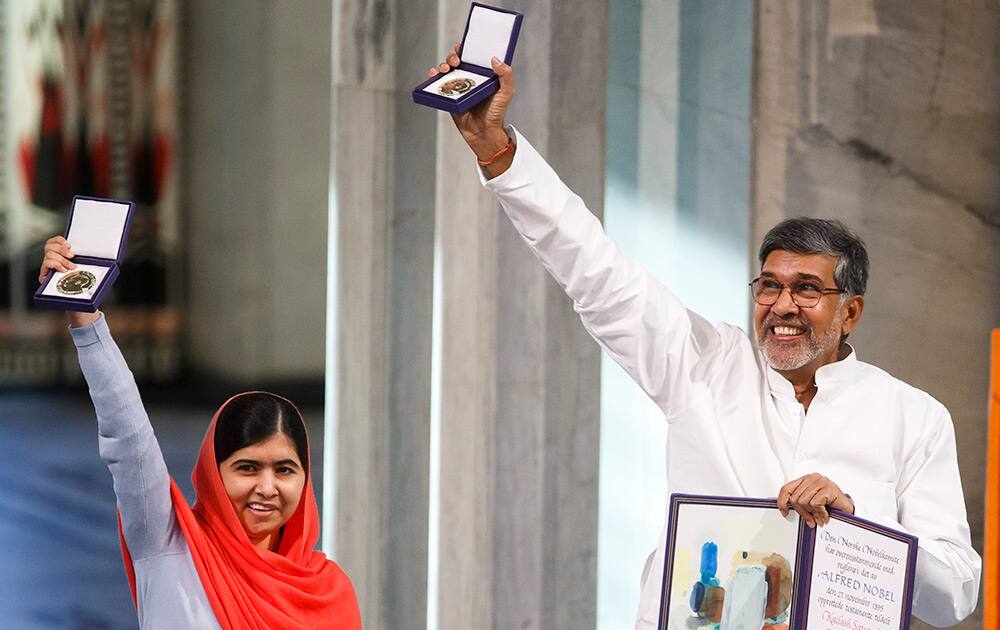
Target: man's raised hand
{"type": "Point", "coordinates": [482, 126]}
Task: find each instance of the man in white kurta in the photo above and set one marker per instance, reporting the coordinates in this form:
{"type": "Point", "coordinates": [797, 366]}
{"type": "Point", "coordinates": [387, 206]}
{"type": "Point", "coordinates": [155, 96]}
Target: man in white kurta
{"type": "Point", "coordinates": [860, 439]}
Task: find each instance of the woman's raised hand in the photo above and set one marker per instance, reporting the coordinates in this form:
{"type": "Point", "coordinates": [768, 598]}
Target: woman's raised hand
{"type": "Point", "coordinates": [57, 258]}
{"type": "Point", "coordinates": [482, 126]}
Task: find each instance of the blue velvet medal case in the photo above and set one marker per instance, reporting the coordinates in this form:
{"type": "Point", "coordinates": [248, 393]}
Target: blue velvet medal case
{"type": "Point", "coordinates": [96, 230]}
{"type": "Point", "coordinates": [489, 32]}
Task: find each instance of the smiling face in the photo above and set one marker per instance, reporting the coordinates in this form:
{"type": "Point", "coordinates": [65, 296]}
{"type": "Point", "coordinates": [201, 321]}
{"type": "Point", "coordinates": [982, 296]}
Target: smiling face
{"type": "Point", "coordinates": [264, 482]}
{"type": "Point", "coordinates": [793, 338]}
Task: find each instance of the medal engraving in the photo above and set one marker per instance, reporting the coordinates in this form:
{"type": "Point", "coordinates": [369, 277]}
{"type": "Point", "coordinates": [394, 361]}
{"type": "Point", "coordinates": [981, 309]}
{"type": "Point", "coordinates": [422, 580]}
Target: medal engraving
{"type": "Point", "coordinates": [76, 282]}
{"type": "Point", "coordinates": [456, 86]}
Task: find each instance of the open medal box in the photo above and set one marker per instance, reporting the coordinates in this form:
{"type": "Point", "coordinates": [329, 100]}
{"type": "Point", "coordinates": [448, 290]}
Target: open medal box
{"type": "Point", "coordinates": [97, 230]}
{"type": "Point", "coordinates": [489, 32]}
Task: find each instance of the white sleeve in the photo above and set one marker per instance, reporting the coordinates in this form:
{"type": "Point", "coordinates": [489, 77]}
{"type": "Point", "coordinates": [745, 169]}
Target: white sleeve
{"type": "Point", "coordinates": [668, 350]}
{"type": "Point", "coordinates": [931, 506]}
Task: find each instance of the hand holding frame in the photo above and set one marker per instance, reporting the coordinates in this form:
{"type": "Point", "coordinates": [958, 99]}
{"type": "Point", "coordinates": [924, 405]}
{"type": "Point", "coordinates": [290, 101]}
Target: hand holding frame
{"type": "Point", "coordinates": [811, 496]}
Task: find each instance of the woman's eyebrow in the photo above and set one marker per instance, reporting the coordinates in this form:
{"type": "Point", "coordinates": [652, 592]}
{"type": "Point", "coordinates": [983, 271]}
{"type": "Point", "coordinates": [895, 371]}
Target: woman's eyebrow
{"type": "Point", "coordinates": [280, 462]}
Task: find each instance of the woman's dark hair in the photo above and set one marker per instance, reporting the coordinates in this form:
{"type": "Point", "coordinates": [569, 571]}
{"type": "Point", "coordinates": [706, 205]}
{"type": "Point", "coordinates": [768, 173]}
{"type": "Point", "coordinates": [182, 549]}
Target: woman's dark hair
{"type": "Point", "coordinates": [253, 418]}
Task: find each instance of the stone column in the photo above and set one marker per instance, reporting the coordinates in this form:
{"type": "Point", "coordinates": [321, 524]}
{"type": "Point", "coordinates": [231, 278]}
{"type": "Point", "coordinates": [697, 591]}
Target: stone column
{"type": "Point", "coordinates": [519, 376]}
{"type": "Point", "coordinates": [512, 380]}
{"type": "Point", "coordinates": [384, 185]}
{"type": "Point", "coordinates": [886, 115]}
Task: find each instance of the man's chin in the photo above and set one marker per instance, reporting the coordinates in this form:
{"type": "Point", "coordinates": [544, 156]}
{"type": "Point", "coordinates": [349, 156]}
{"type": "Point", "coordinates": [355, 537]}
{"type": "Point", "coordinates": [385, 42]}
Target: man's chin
{"type": "Point", "coordinates": [784, 362]}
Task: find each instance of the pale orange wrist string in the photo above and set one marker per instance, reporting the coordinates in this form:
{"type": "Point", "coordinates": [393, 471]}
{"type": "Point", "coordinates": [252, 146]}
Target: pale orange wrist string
{"type": "Point", "coordinates": [493, 158]}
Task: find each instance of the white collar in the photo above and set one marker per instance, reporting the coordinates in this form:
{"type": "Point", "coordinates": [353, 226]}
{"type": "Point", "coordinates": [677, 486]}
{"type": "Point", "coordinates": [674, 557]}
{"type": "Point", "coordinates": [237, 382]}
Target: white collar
{"type": "Point", "coordinates": [826, 375]}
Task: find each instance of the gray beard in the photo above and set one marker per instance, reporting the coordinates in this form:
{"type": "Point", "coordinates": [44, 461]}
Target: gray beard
{"type": "Point", "coordinates": [814, 347]}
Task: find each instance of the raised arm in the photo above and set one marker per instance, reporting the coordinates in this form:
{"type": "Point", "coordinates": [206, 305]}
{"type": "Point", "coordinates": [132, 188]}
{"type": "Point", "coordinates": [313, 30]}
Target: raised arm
{"type": "Point", "coordinates": [125, 438]}
{"type": "Point", "coordinates": [666, 348]}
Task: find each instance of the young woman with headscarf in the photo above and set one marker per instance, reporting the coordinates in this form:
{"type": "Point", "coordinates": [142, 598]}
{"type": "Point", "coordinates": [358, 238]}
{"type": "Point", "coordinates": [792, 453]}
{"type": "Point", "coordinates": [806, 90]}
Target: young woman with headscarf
{"type": "Point", "coordinates": [243, 557]}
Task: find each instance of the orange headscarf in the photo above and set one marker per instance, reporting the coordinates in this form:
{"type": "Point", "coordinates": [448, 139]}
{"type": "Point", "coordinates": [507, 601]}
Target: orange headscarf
{"type": "Point", "coordinates": [293, 587]}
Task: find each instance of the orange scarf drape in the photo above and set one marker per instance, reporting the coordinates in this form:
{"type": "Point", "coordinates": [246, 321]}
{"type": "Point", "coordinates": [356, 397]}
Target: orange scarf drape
{"type": "Point", "coordinates": [294, 587]}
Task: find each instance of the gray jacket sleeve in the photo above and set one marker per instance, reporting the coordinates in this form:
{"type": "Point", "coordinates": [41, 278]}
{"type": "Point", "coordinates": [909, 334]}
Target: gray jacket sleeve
{"type": "Point", "coordinates": [127, 444]}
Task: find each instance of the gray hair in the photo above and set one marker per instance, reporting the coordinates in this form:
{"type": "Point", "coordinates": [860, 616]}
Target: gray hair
{"type": "Point", "coordinates": [804, 235]}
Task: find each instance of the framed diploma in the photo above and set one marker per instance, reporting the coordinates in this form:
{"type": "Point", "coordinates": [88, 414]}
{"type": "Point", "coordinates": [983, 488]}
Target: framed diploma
{"type": "Point", "coordinates": [489, 32]}
{"type": "Point", "coordinates": [737, 563]}
{"type": "Point", "coordinates": [96, 230]}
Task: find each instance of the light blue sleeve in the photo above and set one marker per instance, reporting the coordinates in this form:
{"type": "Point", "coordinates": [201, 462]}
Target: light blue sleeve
{"type": "Point", "coordinates": [127, 445]}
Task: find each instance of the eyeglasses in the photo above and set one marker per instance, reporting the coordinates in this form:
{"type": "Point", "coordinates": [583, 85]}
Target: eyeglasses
{"type": "Point", "coordinates": [805, 293]}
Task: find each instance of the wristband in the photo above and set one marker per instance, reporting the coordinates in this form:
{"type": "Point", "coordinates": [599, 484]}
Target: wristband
{"type": "Point", "coordinates": [493, 158]}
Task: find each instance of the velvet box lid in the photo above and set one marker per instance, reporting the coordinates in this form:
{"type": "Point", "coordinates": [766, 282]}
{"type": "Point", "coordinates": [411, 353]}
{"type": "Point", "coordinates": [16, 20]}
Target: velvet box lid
{"type": "Point", "coordinates": [489, 32]}
{"type": "Point", "coordinates": [96, 230]}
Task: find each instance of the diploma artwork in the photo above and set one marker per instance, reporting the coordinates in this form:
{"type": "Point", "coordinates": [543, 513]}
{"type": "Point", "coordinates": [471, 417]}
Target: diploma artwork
{"type": "Point", "coordinates": [738, 564]}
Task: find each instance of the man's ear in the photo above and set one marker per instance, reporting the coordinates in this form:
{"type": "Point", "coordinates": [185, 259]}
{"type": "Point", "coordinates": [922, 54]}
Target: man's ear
{"type": "Point", "coordinates": [853, 307]}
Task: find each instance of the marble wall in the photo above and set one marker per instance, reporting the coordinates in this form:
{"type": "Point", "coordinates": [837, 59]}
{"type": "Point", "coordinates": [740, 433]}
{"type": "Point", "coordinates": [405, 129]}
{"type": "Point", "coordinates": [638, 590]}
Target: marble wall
{"type": "Point", "coordinates": [383, 181]}
{"type": "Point", "coordinates": [519, 376]}
{"type": "Point", "coordinates": [677, 201]}
{"type": "Point", "coordinates": [467, 391]}
{"type": "Point", "coordinates": [256, 128]}
{"type": "Point", "coordinates": [886, 114]}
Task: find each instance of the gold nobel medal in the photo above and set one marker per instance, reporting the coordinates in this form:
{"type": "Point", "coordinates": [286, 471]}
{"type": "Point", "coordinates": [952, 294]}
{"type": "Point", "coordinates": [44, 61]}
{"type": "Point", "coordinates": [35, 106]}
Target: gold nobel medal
{"type": "Point", "coordinates": [76, 282]}
{"type": "Point", "coordinates": [456, 86]}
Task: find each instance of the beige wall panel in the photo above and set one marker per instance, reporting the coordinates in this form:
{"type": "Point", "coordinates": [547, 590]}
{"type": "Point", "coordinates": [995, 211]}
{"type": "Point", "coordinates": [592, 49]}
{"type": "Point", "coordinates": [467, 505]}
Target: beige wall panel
{"type": "Point", "coordinates": [886, 115]}
{"type": "Point", "coordinates": [256, 109]}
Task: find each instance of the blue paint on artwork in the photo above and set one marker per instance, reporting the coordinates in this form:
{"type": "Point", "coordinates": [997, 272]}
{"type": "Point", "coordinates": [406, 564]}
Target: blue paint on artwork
{"type": "Point", "coordinates": [709, 564]}
{"type": "Point", "coordinates": [702, 593]}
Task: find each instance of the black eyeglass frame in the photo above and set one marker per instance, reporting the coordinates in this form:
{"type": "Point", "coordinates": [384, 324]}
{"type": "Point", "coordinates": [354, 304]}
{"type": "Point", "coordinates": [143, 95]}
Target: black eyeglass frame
{"type": "Point", "coordinates": [823, 291]}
